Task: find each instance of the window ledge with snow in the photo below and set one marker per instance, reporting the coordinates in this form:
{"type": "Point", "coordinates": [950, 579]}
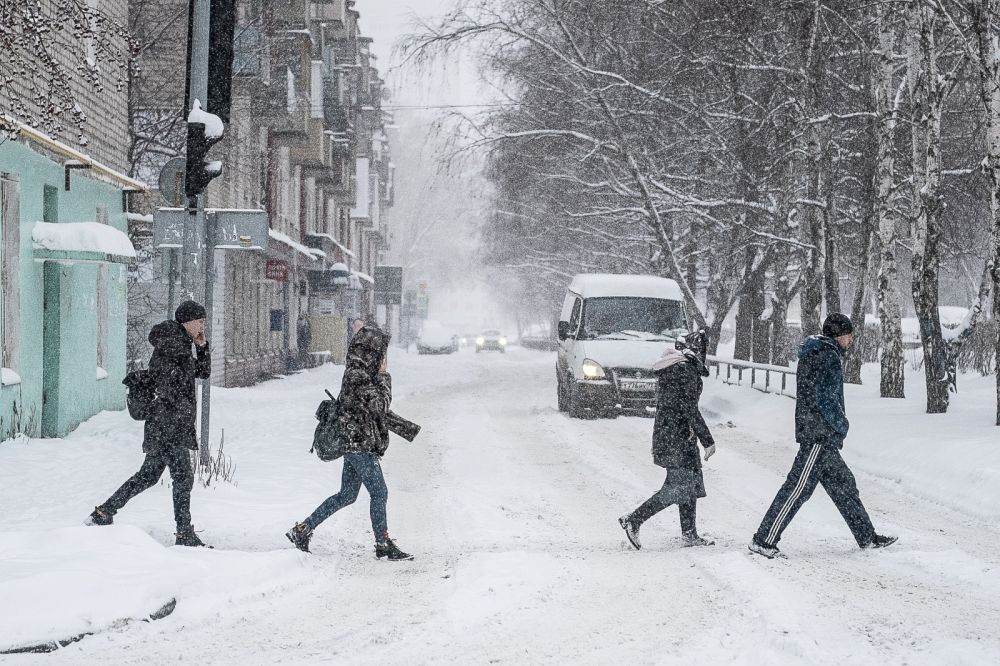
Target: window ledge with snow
{"type": "Point", "coordinates": [9, 378]}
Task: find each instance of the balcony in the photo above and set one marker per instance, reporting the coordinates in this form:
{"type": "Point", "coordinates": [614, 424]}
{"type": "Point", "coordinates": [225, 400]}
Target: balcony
{"type": "Point", "coordinates": [334, 11]}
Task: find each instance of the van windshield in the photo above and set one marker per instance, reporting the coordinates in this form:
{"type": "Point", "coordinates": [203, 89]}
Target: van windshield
{"type": "Point", "coordinates": [625, 318]}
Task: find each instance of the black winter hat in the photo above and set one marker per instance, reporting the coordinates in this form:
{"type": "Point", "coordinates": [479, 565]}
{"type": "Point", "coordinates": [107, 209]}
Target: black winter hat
{"type": "Point", "coordinates": [189, 311]}
{"type": "Point", "coordinates": [837, 324]}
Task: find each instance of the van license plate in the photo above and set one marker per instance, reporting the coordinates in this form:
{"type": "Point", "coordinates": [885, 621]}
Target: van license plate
{"type": "Point", "coordinates": [638, 386]}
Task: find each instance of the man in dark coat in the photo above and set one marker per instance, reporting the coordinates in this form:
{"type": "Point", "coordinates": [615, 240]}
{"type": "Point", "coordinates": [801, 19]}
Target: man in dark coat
{"type": "Point", "coordinates": [678, 428]}
{"type": "Point", "coordinates": [820, 428]}
{"type": "Point", "coordinates": [170, 427]}
{"type": "Point", "coordinates": [365, 420]}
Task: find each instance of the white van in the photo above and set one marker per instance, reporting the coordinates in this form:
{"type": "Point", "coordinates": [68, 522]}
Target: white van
{"type": "Point", "coordinates": [611, 330]}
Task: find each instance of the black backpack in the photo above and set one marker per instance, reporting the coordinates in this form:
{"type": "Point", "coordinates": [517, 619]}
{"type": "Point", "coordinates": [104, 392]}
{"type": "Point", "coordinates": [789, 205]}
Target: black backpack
{"type": "Point", "coordinates": [328, 443]}
{"type": "Point", "coordinates": [141, 391]}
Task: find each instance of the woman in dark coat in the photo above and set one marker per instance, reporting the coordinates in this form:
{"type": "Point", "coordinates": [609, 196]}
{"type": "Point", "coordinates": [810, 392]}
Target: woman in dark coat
{"type": "Point", "coordinates": [678, 428]}
{"type": "Point", "coordinates": [364, 420]}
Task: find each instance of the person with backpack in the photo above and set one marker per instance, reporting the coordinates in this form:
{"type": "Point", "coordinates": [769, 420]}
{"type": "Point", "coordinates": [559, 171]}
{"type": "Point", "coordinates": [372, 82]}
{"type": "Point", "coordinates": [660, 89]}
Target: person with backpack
{"type": "Point", "coordinates": [678, 428]}
{"type": "Point", "coordinates": [820, 428]}
{"type": "Point", "coordinates": [364, 421]}
{"type": "Point", "coordinates": [169, 431]}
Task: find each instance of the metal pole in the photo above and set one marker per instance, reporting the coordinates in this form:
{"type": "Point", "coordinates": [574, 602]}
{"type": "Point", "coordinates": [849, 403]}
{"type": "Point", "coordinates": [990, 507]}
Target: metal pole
{"type": "Point", "coordinates": [206, 384]}
{"type": "Point", "coordinates": [200, 15]}
{"type": "Point", "coordinates": [171, 281]}
{"type": "Point", "coordinates": [198, 86]}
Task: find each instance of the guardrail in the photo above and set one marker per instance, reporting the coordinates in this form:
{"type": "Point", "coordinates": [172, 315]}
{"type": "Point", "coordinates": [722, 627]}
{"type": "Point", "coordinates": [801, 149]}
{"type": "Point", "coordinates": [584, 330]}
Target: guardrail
{"type": "Point", "coordinates": [782, 386]}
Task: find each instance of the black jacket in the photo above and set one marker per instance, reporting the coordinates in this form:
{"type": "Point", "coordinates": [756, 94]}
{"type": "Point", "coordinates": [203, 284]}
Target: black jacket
{"type": "Point", "coordinates": [679, 424]}
{"type": "Point", "coordinates": [819, 391]}
{"type": "Point", "coordinates": [365, 394]}
{"type": "Point", "coordinates": [172, 415]}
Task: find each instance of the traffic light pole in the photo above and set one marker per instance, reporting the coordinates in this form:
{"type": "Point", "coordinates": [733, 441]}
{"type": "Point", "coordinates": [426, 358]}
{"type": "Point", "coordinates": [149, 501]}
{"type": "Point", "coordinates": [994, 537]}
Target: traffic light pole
{"type": "Point", "coordinates": [200, 18]}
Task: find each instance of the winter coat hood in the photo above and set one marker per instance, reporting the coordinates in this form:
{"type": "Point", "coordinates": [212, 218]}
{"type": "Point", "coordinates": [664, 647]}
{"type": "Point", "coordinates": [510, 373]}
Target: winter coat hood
{"type": "Point", "coordinates": [674, 356]}
{"type": "Point", "coordinates": [170, 339]}
{"type": "Point", "coordinates": [368, 347]}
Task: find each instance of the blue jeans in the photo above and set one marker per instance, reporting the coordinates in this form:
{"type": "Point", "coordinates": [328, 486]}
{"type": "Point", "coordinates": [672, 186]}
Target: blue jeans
{"type": "Point", "coordinates": [359, 469]}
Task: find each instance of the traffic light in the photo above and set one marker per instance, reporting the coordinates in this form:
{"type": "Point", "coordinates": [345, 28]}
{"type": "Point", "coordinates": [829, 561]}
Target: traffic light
{"type": "Point", "coordinates": [198, 171]}
{"type": "Point", "coordinates": [221, 30]}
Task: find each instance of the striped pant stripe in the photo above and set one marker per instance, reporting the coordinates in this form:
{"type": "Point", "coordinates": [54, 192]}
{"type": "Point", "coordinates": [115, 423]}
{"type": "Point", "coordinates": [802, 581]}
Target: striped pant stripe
{"type": "Point", "coordinates": [796, 493]}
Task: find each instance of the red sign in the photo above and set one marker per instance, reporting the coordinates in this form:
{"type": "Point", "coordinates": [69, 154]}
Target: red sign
{"type": "Point", "coordinates": [276, 269]}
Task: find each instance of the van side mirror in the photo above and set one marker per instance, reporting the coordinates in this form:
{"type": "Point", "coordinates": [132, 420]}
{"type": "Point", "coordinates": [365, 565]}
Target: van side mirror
{"type": "Point", "coordinates": [563, 330]}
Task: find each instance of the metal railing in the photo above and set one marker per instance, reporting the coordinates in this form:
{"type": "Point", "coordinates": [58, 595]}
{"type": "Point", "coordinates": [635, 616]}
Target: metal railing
{"type": "Point", "coordinates": [736, 370]}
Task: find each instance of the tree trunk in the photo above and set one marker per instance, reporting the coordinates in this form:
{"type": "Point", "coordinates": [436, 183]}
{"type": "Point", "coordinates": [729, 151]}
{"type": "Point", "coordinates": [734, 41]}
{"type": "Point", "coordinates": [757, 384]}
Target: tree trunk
{"type": "Point", "coordinates": [892, 382]}
{"type": "Point", "coordinates": [988, 50]}
{"type": "Point", "coordinates": [831, 279]}
{"type": "Point", "coordinates": [925, 107]}
{"type": "Point", "coordinates": [854, 361]}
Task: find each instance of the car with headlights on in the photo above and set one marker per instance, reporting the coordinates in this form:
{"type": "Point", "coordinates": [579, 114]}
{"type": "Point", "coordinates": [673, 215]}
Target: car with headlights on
{"type": "Point", "coordinates": [491, 340]}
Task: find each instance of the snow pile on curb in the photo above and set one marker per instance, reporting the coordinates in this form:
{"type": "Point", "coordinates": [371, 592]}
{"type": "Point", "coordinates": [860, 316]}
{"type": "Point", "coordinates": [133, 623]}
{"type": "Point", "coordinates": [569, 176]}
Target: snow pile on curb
{"type": "Point", "coordinates": [76, 580]}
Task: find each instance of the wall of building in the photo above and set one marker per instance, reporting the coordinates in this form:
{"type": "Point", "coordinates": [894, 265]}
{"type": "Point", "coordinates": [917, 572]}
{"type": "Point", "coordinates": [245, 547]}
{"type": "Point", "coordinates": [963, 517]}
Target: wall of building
{"type": "Point", "coordinates": [75, 393]}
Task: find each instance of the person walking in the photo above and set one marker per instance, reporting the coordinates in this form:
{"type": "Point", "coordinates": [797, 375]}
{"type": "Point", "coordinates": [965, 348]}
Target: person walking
{"type": "Point", "coordinates": [820, 428]}
{"type": "Point", "coordinates": [169, 432]}
{"type": "Point", "coordinates": [364, 419]}
{"type": "Point", "coordinates": [678, 428]}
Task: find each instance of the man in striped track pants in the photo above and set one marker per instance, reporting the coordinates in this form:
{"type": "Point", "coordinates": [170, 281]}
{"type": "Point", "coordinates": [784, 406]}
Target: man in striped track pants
{"type": "Point", "coordinates": [820, 428]}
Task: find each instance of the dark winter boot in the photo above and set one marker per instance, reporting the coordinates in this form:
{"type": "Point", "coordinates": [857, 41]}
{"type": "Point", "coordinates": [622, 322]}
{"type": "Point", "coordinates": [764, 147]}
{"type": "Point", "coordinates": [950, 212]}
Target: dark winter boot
{"type": "Point", "coordinates": [187, 537]}
{"type": "Point", "coordinates": [879, 541]}
{"type": "Point", "coordinates": [631, 531]}
{"type": "Point", "coordinates": [99, 517]}
{"type": "Point", "coordinates": [692, 539]}
{"type": "Point", "coordinates": [300, 535]}
{"type": "Point", "coordinates": [767, 550]}
{"type": "Point", "coordinates": [386, 548]}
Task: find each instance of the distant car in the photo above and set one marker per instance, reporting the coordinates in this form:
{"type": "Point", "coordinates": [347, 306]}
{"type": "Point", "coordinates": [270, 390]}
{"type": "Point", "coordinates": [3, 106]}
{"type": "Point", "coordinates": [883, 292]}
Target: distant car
{"type": "Point", "coordinates": [491, 341]}
{"type": "Point", "coordinates": [436, 339]}
{"type": "Point", "coordinates": [467, 339]}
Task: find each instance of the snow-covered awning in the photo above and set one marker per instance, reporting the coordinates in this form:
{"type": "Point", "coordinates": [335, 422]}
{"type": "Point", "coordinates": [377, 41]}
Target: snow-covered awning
{"type": "Point", "coordinates": [295, 245]}
{"type": "Point", "coordinates": [335, 242]}
{"type": "Point", "coordinates": [81, 241]}
{"type": "Point", "coordinates": [364, 276]}
{"type": "Point", "coordinates": [317, 252]}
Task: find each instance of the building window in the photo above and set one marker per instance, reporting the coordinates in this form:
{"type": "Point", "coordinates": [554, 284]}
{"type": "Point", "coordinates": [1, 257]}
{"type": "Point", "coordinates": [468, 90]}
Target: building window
{"type": "Point", "coordinates": [102, 307]}
{"type": "Point", "coordinates": [10, 276]}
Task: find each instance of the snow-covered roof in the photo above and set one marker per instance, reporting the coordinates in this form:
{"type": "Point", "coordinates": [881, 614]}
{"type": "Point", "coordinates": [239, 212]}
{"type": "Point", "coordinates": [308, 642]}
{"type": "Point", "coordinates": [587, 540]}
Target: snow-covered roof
{"type": "Point", "coordinates": [75, 240]}
{"type": "Point", "coordinates": [295, 245]}
{"type": "Point", "coordinates": [598, 285]}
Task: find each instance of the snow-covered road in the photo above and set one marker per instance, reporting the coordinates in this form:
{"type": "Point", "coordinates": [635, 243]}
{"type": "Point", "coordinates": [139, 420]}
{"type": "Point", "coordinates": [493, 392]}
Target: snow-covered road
{"type": "Point", "coordinates": [510, 508]}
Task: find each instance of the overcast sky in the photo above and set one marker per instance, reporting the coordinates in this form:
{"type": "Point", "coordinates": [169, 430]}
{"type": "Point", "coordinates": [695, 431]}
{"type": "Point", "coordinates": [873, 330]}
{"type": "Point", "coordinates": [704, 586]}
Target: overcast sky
{"type": "Point", "coordinates": [388, 20]}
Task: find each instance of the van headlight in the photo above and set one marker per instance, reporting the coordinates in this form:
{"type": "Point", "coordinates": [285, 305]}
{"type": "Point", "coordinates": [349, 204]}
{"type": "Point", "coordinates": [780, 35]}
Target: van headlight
{"type": "Point", "coordinates": [592, 370]}
{"type": "Point", "coordinates": [503, 342]}
{"type": "Point", "coordinates": [480, 341]}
